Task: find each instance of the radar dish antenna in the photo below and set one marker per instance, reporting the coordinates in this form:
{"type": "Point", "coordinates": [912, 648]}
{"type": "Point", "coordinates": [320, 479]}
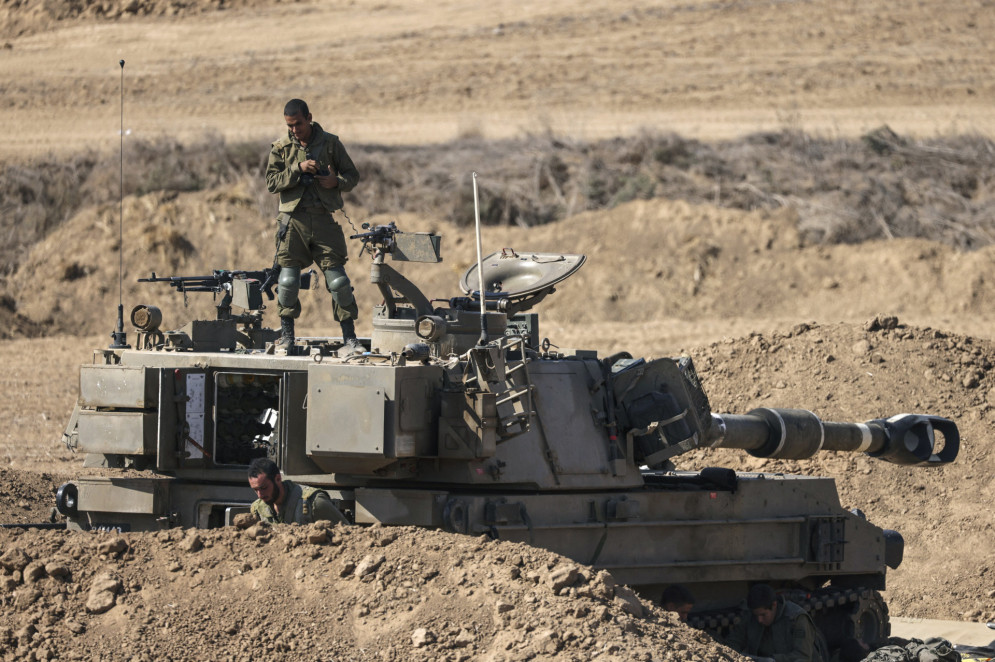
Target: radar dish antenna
{"type": "Point", "coordinates": [521, 279]}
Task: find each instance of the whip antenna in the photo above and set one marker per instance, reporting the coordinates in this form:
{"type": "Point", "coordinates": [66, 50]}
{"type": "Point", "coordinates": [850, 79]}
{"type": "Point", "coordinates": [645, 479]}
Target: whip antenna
{"type": "Point", "coordinates": [119, 337]}
{"type": "Point", "coordinates": [480, 267]}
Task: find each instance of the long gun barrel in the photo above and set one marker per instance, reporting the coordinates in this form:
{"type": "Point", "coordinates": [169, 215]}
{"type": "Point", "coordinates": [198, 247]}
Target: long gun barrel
{"type": "Point", "coordinates": [796, 434]}
{"type": "Point", "coordinates": [661, 403]}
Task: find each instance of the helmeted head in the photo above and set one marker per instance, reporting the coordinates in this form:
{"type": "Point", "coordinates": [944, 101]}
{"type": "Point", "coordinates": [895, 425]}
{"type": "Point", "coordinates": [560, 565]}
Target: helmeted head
{"type": "Point", "coordinates": [298, 119]}
{"type": "Point", "coordinates": [266, 481]}
{"type": "Point", "coordinates": [762, 602]}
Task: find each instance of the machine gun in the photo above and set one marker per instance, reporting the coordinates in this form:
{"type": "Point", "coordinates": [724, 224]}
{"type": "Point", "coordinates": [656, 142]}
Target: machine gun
{"type": "Point", "coordinates": [385, 240]}
{"type": "Point", "coordinates": [381, 237]}
{"type": "Point", "coordinates": [219, 281]}
{"type": "Point", "coordinates": [241, 288]}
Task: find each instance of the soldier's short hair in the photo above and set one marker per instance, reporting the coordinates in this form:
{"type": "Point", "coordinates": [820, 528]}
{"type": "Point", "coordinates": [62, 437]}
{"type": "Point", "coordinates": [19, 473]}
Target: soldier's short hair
{"type": "Point", "coordinates": [295, 107]}
{"type": "Point", "coordinates": [676, 594]}
{"type": "Point", "coordinates": [264, 465]}
{"type": "Point", "coordinates": [759, 596]}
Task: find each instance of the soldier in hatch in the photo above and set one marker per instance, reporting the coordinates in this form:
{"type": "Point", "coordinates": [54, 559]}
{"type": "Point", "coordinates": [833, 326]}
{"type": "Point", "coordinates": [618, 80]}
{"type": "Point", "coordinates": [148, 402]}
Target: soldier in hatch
{"type": "Point", "coordinates": [284, 502]}
{"type": "Point", "coordinates": [310, 169]}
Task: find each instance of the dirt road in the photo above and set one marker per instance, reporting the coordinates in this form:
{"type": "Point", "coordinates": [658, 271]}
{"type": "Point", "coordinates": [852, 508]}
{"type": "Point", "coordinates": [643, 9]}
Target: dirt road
{"type": "Point", "coordinates": [416, 71]}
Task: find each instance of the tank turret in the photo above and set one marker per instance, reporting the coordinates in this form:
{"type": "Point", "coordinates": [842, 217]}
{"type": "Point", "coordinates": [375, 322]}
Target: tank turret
{"type": "Point", "coordinates": [460, 416]}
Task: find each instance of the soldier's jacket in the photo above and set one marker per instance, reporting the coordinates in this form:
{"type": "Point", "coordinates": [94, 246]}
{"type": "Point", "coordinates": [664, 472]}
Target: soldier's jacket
{"type": "Point", "coordinates": [791, 637]}
{"type": "Point", "coordinates": [302, 505]}
{"type": "Point", "coordinates": [934, 649]}
{"type": "Point", "coordinates": [283, 175]}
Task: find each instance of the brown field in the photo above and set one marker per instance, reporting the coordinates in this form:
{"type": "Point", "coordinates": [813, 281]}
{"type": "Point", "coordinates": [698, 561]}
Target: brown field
{"type": "Point", "coordinates": [773, 309]}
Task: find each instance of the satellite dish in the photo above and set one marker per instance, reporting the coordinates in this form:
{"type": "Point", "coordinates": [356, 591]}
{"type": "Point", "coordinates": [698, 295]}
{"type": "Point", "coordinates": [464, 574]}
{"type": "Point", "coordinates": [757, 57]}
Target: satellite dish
{"type": "Point", "coordinates": [516, 276]}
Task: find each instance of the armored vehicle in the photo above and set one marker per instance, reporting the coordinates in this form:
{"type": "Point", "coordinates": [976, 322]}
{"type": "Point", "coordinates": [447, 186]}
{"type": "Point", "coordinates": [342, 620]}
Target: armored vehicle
{"type": "Point", "coordinates": [461, 417]}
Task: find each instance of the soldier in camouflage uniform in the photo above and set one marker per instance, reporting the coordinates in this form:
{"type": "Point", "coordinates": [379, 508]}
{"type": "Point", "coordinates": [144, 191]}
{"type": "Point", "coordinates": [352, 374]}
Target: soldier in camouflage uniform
{"type": "Point", "coordinates": [775, 629]}
{"type": "Point", "coordinates": [284, 501]}
{"type": "Point", "coordinates": [310, 169]}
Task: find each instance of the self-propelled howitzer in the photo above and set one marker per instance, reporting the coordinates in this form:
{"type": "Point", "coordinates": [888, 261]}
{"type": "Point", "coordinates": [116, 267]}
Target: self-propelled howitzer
{"type": "Point", "coordinates": [458, 417]}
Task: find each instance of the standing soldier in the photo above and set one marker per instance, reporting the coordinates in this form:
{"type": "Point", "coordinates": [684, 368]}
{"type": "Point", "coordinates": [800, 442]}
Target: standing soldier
{"type": "Point", "coordinates": [310, 169]}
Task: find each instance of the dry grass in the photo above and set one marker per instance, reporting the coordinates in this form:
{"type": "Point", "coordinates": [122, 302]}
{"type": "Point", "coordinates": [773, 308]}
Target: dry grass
{"type": "Point", "coordinates": [28, 16]}
{"type": "Point", "coordinates": [846, 191]}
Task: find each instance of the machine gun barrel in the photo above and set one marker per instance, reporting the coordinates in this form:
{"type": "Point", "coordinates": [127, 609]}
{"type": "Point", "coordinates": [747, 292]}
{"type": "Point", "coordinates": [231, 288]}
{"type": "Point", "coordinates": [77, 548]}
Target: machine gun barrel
{"type": "Point", "coordinates": [217, 281]}
{"type": "Point", "coordinates": [198, 288]}
{"type": "Point", "coordinates": [794, 434]}
{"type": "Point", "coordinates": [186, 283]}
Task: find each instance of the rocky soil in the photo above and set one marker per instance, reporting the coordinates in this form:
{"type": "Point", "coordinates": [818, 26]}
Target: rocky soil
{"type": "Point", "coordinates": [772, 315]}
{"type": "Point", "coordinates": [320, 593]}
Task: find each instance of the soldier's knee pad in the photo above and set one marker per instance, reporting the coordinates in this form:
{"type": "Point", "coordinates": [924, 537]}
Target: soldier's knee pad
{"type": "Point", "coordinates": [288, 286]}
{"type": "Point", "coordinates": [339, 286]}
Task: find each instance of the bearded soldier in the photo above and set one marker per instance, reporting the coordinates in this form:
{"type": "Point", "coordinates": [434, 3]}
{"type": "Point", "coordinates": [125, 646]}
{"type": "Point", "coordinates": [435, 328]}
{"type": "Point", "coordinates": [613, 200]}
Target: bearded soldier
{"type": "Point", "coordinates": [286, 502]}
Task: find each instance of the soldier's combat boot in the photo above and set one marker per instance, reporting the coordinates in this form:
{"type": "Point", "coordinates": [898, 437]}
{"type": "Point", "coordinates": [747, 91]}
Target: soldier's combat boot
{"type": "Point", "coordinates": [350, 343]}
{"type": "Point", "coordinates": [285, 343]}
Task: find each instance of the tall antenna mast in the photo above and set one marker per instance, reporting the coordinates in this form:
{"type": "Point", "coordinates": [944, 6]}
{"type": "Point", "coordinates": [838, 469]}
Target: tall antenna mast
{"type": "Point", "coordinates": [119, 337]}
{"type": "Point", "coordinates": [480, 267]}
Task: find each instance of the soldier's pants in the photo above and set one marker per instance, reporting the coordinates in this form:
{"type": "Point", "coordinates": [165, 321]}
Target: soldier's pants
{"type": "Point", "coordinates": [313, 236]}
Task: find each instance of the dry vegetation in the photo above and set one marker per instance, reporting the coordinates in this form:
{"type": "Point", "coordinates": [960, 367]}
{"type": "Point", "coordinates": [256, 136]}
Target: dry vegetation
{"type": "Point", "coordinates": [764, 218]}
{"type": "Point", "coordinates": [23, 17]}
{"type": "Point", "coordinates": [845, 191]}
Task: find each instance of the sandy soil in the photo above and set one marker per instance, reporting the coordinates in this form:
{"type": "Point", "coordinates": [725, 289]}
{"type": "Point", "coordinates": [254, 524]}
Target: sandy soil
{"type": "Point", "coordinates": [416, 71]}
{"type": "Point", "coordinates": [759, 346]}
{"type": "Point", "coordinates": [313, 593]}
{"type": "Point", "coordinates": [770, 320]}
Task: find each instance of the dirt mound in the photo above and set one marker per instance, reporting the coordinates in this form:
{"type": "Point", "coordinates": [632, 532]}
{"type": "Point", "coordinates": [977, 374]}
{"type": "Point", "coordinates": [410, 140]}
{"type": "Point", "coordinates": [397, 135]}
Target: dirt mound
{"type": "Point", "coordinates": [316, 592]}
{"type": "Point", "coordinates": [881, 186]}
{"type": "Point", "coordinates": [14, 325]}
{"type": "Point", "coordinates": [26, 496]}
{"type": "Point", "coordinates": [648, 260]}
